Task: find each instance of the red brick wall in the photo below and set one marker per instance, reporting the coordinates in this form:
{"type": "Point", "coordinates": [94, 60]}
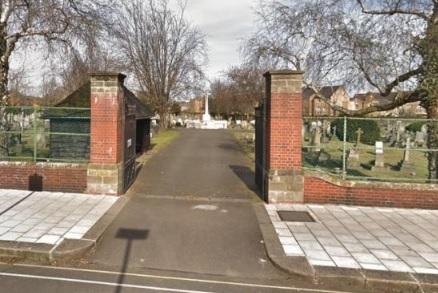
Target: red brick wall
{"type": "Point", "coordinates": [55, 177]}
{"type": "Point", "coordinates": [106, 133]}
{"type": "Point", "coordinates": [284, 121]}
{"type": "Point", "coordinates": [318, 190]}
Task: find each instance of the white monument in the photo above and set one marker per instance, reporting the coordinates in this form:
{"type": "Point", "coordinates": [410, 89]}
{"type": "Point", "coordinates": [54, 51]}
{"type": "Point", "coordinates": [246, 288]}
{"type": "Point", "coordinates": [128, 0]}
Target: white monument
{"type": "Point", "coordinates": [206, 117]}
{"type": "Point", "coordinates": [207, 122]}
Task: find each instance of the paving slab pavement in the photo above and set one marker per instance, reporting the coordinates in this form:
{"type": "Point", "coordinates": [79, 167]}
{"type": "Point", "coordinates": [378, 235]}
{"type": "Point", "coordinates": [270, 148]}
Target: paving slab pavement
{"type": "Point", "coordinates": [49, 217]}
{"type": "Point", "coordinates": [352, 237]}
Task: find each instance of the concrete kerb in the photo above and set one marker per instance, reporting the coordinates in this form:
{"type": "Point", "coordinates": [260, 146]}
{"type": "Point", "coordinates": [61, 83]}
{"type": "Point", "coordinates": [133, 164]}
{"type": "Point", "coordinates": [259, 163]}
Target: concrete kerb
{"type": "Point", "coordinates": [335, 278]}
{"type": "Point", "coordinates": [297, 266]}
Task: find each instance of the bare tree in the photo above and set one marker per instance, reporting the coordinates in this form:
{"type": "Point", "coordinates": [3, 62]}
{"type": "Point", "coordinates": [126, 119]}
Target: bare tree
{"type": "Point", "coordinates": [240, 91]}
{"type": "Point", "coordinates": [165, 51]}
{"type": "Point", "coordinates": [386, 46]}
{"type": "Point", "coordinates": [44, 20]}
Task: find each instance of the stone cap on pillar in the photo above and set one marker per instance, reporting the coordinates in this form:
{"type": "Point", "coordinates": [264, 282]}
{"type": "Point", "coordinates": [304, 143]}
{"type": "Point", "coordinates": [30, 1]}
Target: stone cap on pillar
{"type": "Point", "coordinates": [283, 72]}
{"type": "Point", "coordinates": [284, 81]}
{"type": "Point", "coordinates": [108, 74]}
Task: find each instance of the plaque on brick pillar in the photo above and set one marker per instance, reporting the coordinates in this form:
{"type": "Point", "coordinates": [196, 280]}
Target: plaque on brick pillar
{"type": "Point", "coordinates": [284, 177]}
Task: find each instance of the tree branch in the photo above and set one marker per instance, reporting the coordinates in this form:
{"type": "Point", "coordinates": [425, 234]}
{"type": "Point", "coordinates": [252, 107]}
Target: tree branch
{"type": "Point", "coordinates": [400, 99]}
{"type": "Point", "coordinates": [395, 10]}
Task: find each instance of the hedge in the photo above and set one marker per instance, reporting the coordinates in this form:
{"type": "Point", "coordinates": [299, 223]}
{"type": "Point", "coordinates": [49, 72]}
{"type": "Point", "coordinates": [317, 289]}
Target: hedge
{"type": "Point", "coordinates": [370, 128]}
{"type": "Point", "coordinates": [416, 126]}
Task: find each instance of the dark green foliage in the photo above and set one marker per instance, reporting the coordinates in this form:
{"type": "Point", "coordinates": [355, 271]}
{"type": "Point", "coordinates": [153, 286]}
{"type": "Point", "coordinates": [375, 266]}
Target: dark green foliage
{"type": "Point", "coordinates": [370, 128]}
{"type": "Point", "coordinates": [416, 126]}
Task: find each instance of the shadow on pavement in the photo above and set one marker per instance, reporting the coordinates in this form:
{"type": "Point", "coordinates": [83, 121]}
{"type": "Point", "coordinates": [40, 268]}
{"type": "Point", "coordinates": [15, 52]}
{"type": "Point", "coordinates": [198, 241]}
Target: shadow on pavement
{"type": "Point", "coordinates": [230, 146]}
{"type": "Point", "coordinates": [130, 235]}
{"type": "Point", "coordinates": [246, 175]}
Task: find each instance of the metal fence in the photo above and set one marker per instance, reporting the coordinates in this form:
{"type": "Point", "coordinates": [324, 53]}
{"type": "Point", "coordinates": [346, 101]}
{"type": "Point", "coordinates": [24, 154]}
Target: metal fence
{"type": "Point", "coordinates": [372, 149]}
{"type": "Point", "coordinates": [44, 134]}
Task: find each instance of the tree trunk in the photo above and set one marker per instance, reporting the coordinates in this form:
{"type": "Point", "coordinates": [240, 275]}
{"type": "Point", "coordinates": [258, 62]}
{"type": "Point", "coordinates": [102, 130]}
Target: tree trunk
{"type": "Point", "coordinates": [432, 141]}
{"type": "Point", "coordinates": [164, 119]}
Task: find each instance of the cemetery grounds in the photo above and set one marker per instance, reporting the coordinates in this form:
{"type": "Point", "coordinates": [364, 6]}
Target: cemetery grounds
{"type": "Point", "coordinates": [331, 154]}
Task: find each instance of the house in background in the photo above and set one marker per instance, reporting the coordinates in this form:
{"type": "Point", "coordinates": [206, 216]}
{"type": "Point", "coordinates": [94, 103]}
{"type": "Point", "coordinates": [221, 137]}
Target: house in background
{"type": "Point", "coordinates": [315, 106]}
{"type": "Point", "coordinates": [365, 100]}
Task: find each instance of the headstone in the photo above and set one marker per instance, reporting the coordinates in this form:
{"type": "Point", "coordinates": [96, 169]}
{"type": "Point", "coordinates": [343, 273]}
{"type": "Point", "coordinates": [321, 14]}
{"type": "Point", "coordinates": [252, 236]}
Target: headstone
{"type": "Point", "coordinates": [407, 166]}
{"type": "Point", "coordinates": [334, 130]}
{"type": "Point", "coordinates": [379, 163]}
{"type": "Point", "coordinates": [353, 158]}
{"type": "Point", "coordinates": [316, 140]}
{"type": "Point", "coordinates": [421, 136]}
{"type": "Point", "coordinates": [325, 131]}
{"type": "Point", "coordinates": [424, 128]}
{"type": "Point", "coordinates": [323, 156]}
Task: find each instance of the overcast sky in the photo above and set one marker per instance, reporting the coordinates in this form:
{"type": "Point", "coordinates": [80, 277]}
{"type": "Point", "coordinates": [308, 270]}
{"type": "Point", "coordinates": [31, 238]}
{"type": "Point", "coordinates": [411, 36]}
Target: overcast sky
{"type": "Point", "coordinates": [226, 23]}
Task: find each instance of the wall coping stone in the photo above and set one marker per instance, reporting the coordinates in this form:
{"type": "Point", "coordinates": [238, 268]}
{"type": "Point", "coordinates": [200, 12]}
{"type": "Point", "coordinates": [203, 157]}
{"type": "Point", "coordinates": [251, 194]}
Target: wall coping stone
{"type": "Point", "coordinates": [42, 164]}
{"type": "Point", "coordinates": [370, 184]}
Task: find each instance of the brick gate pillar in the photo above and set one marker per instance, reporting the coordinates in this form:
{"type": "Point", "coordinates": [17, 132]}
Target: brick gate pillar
{"type": "Point", "coordinates": [105, 170]}
{"type": "Point", "coordinates": [284, 178]}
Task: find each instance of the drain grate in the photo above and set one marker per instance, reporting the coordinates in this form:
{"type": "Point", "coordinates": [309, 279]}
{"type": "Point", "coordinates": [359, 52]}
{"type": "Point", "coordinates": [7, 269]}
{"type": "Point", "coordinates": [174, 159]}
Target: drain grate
{"type": "Point", "coordinates": [295, 216]}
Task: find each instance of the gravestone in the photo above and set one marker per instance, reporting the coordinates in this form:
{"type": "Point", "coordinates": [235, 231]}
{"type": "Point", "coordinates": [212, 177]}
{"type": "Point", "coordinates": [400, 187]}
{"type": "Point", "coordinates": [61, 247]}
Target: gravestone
{"type": "Point", "coordinates": [353, 158]}
{"type": "Point", "coordinates": [379, 163]}
{"type": "Point", "coordinates": [407, 166]}
{"type": "Point", "coordinates": [325, 131]}
{"type": "Point", "coordinates": [359, 133]}
{"type": "Point", "coordinates": [316, 140]}
{"type": "Point", "coordinates": [323, 156]}
{"type": "Point", "coordinates": [420, 138]}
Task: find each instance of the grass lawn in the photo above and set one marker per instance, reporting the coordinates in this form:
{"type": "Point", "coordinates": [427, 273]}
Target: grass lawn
{"type": "Point", "coordinates": [163, 138]}
{"type": "Point", "coordinates": [392, 158]}
{"type": "Point", "coordinates": [244, 138]}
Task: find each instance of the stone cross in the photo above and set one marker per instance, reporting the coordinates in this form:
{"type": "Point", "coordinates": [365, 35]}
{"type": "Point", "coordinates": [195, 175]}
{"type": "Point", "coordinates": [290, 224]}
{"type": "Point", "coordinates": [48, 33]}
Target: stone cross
{"type": "Point", "coordinates": [359, 133]}
{"type": "Point", "coordinates": [407, 167]}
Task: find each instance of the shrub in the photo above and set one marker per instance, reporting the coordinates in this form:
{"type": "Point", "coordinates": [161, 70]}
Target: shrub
{"type": "Point", "coordinates": [416, 126]}
{"type": "Point", "coordinates": [370, 128]}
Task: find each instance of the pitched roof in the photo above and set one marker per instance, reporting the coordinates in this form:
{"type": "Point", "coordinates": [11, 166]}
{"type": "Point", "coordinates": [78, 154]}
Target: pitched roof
{"type": "Point", "coordinates": [18, 99]}
{"type": "Point", "coordinates": [376, 97]}
{"type": "Point", "coordinates": [81, 99]}
{"type": "Point", "coordinates": [325, 91]}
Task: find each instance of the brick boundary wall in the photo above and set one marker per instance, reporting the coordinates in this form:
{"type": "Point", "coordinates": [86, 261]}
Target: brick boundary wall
{"type": "Point", "coordinates": [286, 183]}
{"type": "Point", "coordinates": [54, 176]}
{"type": "Point", "coordinates": [325, 190]}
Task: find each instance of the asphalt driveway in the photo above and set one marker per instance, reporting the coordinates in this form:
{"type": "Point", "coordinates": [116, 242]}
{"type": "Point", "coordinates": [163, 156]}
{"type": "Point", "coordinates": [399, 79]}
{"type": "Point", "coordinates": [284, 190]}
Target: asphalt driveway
{"type": "Point", "coordinates": [191, 212]}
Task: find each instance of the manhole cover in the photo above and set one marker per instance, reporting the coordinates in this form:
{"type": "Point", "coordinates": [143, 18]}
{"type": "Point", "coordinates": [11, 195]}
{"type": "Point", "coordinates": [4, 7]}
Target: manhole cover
{"type": "Point", "coordinates": [295, 216]}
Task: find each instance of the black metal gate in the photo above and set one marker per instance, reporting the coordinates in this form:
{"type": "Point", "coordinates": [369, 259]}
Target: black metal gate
{"type": "Point", "coordinates": [129, 154]}
{"type": "Point", "coordinates": [260, 149]}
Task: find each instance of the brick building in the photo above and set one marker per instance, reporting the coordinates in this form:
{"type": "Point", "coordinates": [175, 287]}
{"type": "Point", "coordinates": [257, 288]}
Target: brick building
{"type": "Point", "coordinates": [315, 106]}
{"type": "Point", "coordinates": [365, 100]}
